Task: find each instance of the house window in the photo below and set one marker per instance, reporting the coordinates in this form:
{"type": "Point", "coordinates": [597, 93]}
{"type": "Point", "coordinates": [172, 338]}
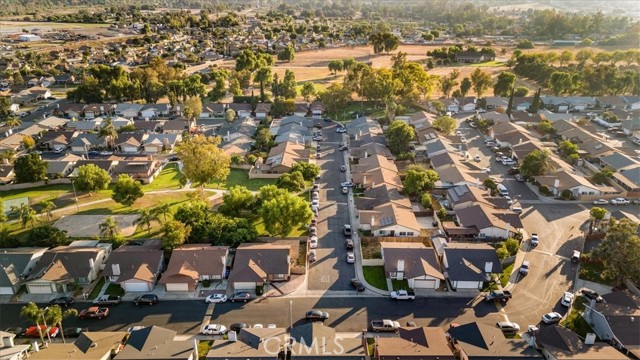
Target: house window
{"type": "Point", "coordinates": [279, 276]}
{"type": "Point", "coordinates": [402, 233]}
{"type": "Point", "coordinates": [409, 233]}
{"type": "Point", "coordinates": [382, 232]}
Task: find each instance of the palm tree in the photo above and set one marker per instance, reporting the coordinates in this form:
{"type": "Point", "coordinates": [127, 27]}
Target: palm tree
{"type": "Point", "coordinates": [545, 163]}
{"type": "Point", "coordinates": [13, 122]}
{"type": "Point", "coordinates": [55, 315]}
{"type": "Point", "coordinates": [109, 228]}
{"type": "Point", "coordinates": [47, 207]}
{"type": "Point", "coordinates": [147, 216]}
{"type": "Point", "coordinates": [109, 133]}
{"type": "Point", "coordinates": [25, 213]}
{"type": "Point", "coordinates": [162, 210]}
{"type": "Point", "coordinates": [32, 312]}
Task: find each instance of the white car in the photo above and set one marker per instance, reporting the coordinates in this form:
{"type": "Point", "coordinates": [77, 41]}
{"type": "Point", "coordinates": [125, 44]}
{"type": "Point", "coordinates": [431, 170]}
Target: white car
{"type": "Point", "coordinates": [509, 201]}
{"type": "Point", "coordinates": [600, 202]}
{"type": "Point", "coordinates": [315, 202]}
{"type": "Point", "coordinates": [486, 170]}
{"type": "Point", "coordinates": [345, 190]}
{"type": "Point", "coordinates": [477, 158]}
{"type": "Point", "coordinates": [567, 299]}
{"type": "Point", "coordinates": [459, 133]}
{"type": "Point", "coordinates": [216, 298]}
{"type": "Point", "coordinates": [106, 153]}
{"type": "Point", "coordinates": [258, 326]}
{"type": "Point", "coordinates": [508, 162]}
{"type": "Point", "coordinates": [534, 239]}
{"type": "Point", "coordinates": [351, 258]}
{"type": "Point", "coordinates": [313, 242]}
{"type": "Point", "coordinates": [620, 201]}
{"type": "Point", "coordinates": [341, 130]}
{"type": "Point", "coordinates": [551, 318]}
{"type": "Point", "coordinates": [347, 184]}
{"type": "Point", "coordinates": [214, 329]}
{"type": "Point", "coordinates": [271, 326]}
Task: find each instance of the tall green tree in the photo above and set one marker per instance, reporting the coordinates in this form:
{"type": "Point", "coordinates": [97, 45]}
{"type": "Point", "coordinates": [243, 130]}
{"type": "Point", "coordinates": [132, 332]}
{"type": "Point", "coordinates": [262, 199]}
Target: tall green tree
{"type": "Point", "coordinates": [537, 162]}
{"type": "Point", "coordinates": [287, 54]}
{"type": "Point", "coordinates": [32, 312]}
{"type": "Point", "coordinates": [504, 83]}
{"type": "Point", "coordinates": [447, 83]}
{"type": "Point", "coordinates": [47, 235]}
{"type": "Point", "coordinates": [288, 87]}
{"type": "Point", "coordinates": [162, 211]}
{"type": "Point", "coordinates": [174, 234]}
{"type": "Point", "coordinates": [30, 168]}
{"type": "Point", "coordinates": [465, 86]}
{"type": "Point", "coordinates": [54, 315]}
{"type": "Point", "coordinates": [193, 108]}
{"type": "Point", "coordinates": [109, 228]}
{"type": "Point", "coordinates": [46, 207]}
{"type": "Point", "coordinates": [445, 124]}
{"type": "Point", "coordinates": [335, 98]}
{"type": "Point", "coordinates": [481, 81]}
{"type": "Point", "coordinates": [293, 181]}
{"type": "Point", "coordinates": [335, 66]}
{"type": "Point", "coordinates": [91, 178]}
{"type": "Point", "coordinates": [25, 214]}
{"type": "Point", "coordinates": [263, 76]}
{"type": "Point", "coordinates": [596, 215]}
{"type": "Point", "coordinates": [238, 200]}
{"type": "Point", "coordinates": [203, 161]}
{"type": "Point", "coordinates": [399, 135]}
{"type": "Point", "coordinates": [109, 133]}
{"type": "Point", "coordinates": [620, 251]}
{"type": "Point", "coordinates": [309, 171]}
{"type": "Point", "coordinates": [13, 122]}
{"type": "Point", "coordinates": [284, 213]}
{"type": "Point", "coordinates": [308, 91]}
{"type": "Point", "coordinates": [146, 217]}
{"type": "Point", "coordinates": [418, 179]}
{"type": "Point", "coordinates": [535, 104]}
{"type": "Point", "coordinates": [127, 190]}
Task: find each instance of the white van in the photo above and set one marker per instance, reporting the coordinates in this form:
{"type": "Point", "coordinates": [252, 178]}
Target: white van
{"type": "Point", "coordinates": [502, 190]}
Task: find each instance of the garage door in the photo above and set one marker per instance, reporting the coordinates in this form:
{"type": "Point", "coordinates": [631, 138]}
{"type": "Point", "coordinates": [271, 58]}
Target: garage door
{"type": "Point", "coordinates": [6, 291]}
{"type": "Point", "coordinates": [39, 289]}
{"type": "Point", "coordinates": [424, 284]}
{"type": "Point", "coordinates": [135, 286]}
{"type": "Point", "coordinates": [244, 285]}
{"type": "Point", "coordinates": [178, 287]}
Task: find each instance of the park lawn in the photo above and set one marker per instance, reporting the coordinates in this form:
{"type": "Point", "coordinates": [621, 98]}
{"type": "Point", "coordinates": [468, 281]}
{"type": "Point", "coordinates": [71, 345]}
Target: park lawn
{"type": "Point", "coordinates": [241, 177]}
{"type": "Point", "coordinates": [110, 207]}
{"type": "Point", "coordinates": [369, 109]}
{"type": "Point", "coordinates": [374, 275]}
{"type": "Point", "coordinates": [61, 195]}
{"type": "Point", "coordinates": [487, 64]}
{"type": "Point", "coordinates": [169, 179]}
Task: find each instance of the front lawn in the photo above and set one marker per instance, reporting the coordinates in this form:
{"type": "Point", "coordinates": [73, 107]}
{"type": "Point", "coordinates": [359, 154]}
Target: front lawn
{"type": "Point", "coordinates": [241, 177]}
{"type": "Point", "coordinates": [400, 285]}
{"type": "Point", "coordinates": [203, 349]}
{"type": "Point", "coordinates": [96, 289]}
{"type": "Point", "coordinates": [114, 289]}
{"type": "Point", "coordinates": [169, 179]}
{"type": "Point", "coordinates": [576, 323]}
{"type": "Point", "coordinates": [593, 272]}
{"type": "Point", "coordinates": [374, 275]}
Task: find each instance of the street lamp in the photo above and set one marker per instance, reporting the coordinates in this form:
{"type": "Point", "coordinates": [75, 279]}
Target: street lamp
{"type": "Point", "coordinates": [75, 195]}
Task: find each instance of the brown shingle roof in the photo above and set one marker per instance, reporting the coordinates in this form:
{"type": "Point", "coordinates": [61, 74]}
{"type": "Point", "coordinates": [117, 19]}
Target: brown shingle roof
{"type": "Point", "coordinates": [254, 261]}
{"type": "Point", "coordinates": [419, 260]}
{"type": "Point", "coordinates": [193, 260]}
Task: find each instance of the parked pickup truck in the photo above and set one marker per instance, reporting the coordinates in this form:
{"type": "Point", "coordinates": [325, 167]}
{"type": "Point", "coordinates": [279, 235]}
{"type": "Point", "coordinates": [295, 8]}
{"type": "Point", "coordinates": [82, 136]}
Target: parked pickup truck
{"type": "Point", "coordinates": [107, 300]}
{"type": "Point", "coordinates": [385, 325]}
{"type": "Point", "coordinates": [403, 295]}
{"type": "Point", "coordinates": [498, 296]}
{"type": "Point", "coordinates": [94, 312]}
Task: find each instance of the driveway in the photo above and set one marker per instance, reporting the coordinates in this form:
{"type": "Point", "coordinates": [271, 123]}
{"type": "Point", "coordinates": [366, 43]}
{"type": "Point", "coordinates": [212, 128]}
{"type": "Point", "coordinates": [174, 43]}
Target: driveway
{"type": "Point", "coordinates": [331, 271]}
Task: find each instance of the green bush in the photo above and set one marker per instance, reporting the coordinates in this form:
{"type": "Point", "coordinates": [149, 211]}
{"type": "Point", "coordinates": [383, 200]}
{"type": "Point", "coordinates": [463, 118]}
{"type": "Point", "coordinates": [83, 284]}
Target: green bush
{"type": "Point", "coordinates": [377, 255]}
{"type": "Point", "coordinates": [259, 290]}
{"type": "Point", "coordinates": [206, 283]}
{"type": "Point", "coordinates": [566, 194]}
{"type": "Point", "coordinates": [544, 190]}
{"type": "Point", "coordinates": [502, 252]}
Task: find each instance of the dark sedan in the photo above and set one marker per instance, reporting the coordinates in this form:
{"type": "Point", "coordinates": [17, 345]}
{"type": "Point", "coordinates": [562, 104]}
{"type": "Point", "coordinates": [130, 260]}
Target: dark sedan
{"type": "Point", "coordinates": [63, 301]}
{"type": "Point", "coordinates": [240, 296]}
{"type": "Point", "coordinates": [238, 326]}
{"type": "Point", "coordinates": [316, 315]}
{"type": "Point", "coordinates": [148, 299]}
{"type": "Point", "coordinates": [358, 285]}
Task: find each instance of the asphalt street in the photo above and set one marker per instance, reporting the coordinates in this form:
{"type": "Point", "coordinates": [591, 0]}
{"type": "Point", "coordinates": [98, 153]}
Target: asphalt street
{"type": "Point", "coordinates": [331, 271]}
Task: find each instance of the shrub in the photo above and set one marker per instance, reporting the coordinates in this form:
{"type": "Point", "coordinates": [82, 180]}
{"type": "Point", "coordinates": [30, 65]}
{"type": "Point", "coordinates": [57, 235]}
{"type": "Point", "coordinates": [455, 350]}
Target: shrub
{"type": "Point", "coordinates": [206, 283]}
{"type": "Point", "coordinates": [544, 190]}
{"type": "Point", "coordinates": [566, 194]}
{"type": "Point", "coordinates": [502, 253]}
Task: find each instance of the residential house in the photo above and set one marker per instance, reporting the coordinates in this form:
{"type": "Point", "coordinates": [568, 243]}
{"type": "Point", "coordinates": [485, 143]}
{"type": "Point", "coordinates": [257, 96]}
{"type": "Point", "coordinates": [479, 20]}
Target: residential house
{"type": "Point", "coordinates": [617, 162]}
{"type": "Point", "coordinates": [629, 179]}
{"type": "Point", "coordinates": [130, 142]}
{"type": "Point", "coordinates": [157, 343]}
{"type": "Point", "coordinates": [256, 264]}
{"type": "Point", "coordinates": [55, 140]}
{"type": "Point", "coordinates": [34, 131]}
{"type": "Point", "coordinates": [177, 126]}
{"type": "Point", "coordinates": [490, 222]}
{"type": "Point", "coordinates": [294, 119]}
{"type": "Point", "coordinates": [85, 125]}
{"type": "Point", "coordinates": [141, 170]}
{"type": "Point", "coordinates": [370, 149]}
{"type": "Point", "coordinates": [283, 156]}
{"type": "Point", "coordinates": [459, 175]}
{"type": "Point", "coordinates": [230, 131]}
{"type": "Point", "coordinates": [377, 176]}
{"type": "Point", "coordinates": [148, 126]}
{"type": "Point", "coordinates": [437, 146]}
{"type": "Point", "coordinates": [362, 126]}
{"type": "Point", "coordinates": [92, 111]}
{"type": "Point", "coordinates": [374, 162]}
{"type": "Point", "coordinates": [262, 110]}
{"type": "Point", "coordinates": [7, 174]}
{"type": "Point", "coordinates": [611, 102]}
{"type": "Point", "coordinates": [90, 345]}
{"type": "Point", "coordinates": [511, 138]}
{"type": "Point", "coordinates": [63, 266]}
{"type": "Point", "coordinates": [9, 350]}
{"type": "Point", "coordinates": [473, 57]}
{"type": "Point", "coordinates": [301, 110]}
{"type": "Point", "coordinates": [381, 195]}
{"type": "Point", "coordinates": [559, 343]}
{"type": "Point", "coordinates": [64, 79]}
{"type": "Point", "coordinates": [413, 262]}
{"type": "Point", "coordinates": [632, 102]}
{"type": "Point", "coordinates": [317, 110]}
{"type": "Point", "coordinates": [494, 102]}
{"type": "Point", "coordinates": [616, 321]}
{"type": "Point", "coordinates": [53, 123]}
{"type": "Point", "coordinates": [469, 266]}
{"type": "Point", "coordinates": [493, 117]}
{"type": "Point", "coordinates": [563, 180]}
{"type": "Point", "coordinates": [415, 343]}
{"type": "Point", "coordinates": [522, 117]}
{"type": "Point", "coordinates": [249, 344]}
{"type": "Point", "coordinates": [156, 143]}
{"type": "Point", "coordinates": [192, 263]}
{"type": "Point", "coordinates": [479, 341]}
{"type": "Point", "coordinates": [135, 267]}
{"type": "Point", "coordinates": [153, 111]}
{"type": "Point", "coordinates": [119, 122]}
{"type": "Point", "coordinates": [464, 196]}
{"type": "Point", "coordinates": [104, 164]}
{"type": "Point", "coordinates": [85, 142]}
{"type": "Point", "coordinates": [450, 105]}
{"type": "Point", "coordinates": [60, 168]}
{"type": "Point", "coordinates": [213, 110]}
{"type": "Point", "coordinates": [15, 265]}
{"type": "Point", "coordinates": [241, 145]}
{"type": "Point", "coordinates": [128, 110]}
{"type": "Point", "coordinates": [390, 220]}
{"type": "Point", "coordinates": [359, 141]}
{"type": "Point", "coordinates": [466, 104]}
{"type": "Point", "coordinates": [41, 92]}
{"type": "Point", "coordinates": [303, 338]}
{"type": "Point", "coordinates": [242, 110]}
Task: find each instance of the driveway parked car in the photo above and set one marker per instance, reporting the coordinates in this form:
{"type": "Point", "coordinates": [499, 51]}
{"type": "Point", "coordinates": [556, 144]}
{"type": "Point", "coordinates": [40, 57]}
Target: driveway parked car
{"type": "Point", "coordinates": [524, 268]}
{"type": "Point", "coordinates": [347, 184]}
{"type": "Point", "coordinates": [508, 327]}
{"type": "Point", "coordinates": [600, 202]}
{"type": "Point", "coordinates": [316, 315]}
{"type": "Point", "coordinates": [213, 329]}
{"type": "Point", "coordinates": [519, 178]}
{"type": "Point", "coordinates": [312, 256]}
{"type": "Point", "coordinates": [567, 299]}
{"type": "Point", "coordinates": [63, 300]}
{"type": "Point", "coordinates": [351, 258]}
{"type": "Point", "coordinates": [240, 296]}
{"type": "Point", "coordinates": [592, 295]}
{"type": "Point", "coordinates": [148, 299]}
{"type": "Point", "coordinates": [216, 298]}
{"type": "Point", "coordinates": [551, 318]}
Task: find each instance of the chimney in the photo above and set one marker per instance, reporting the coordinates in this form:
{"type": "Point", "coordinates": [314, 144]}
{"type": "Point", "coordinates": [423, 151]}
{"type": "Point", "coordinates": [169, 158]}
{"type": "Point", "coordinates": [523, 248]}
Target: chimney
{"type": "Point", "coordinates": [373, 220]}
{"type": "Point", "coordinates": [91, 263]}
{"type": "Point", "coordinates": [7, 342]}
{"type": "Point", "coordinates": [115, 269]}
{"type": "Point", "coordinates": [400, 270]}
{"type": "Point", "coordinates": [556, 183]}
{"type": "Point", "coordinates": [488, 266]}
{"type": "Point", "coordinates": [590, 339]}
{"type": "Point", "coordinates": [366, 154]}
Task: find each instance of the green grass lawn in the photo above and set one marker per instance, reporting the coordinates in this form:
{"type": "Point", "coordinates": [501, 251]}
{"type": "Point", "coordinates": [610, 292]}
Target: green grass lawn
{"type": "Point", "coordinates": [96, 289]}
{"type": "Point", "coordinates": [169, 179]}
{"type": "Point", "coordinates": [258, 223]}
{"type": "Point", "coordinates": [241, 177]}
{"type": "Point", "coordinates": [114, 289]}
{"type": "Point", "coordinates": [374, 275]}
{"type": "Point", "coordinates": [486, 64]}
{"type": "Point", "coordinates": [203, 349]}
{"type": "Point", "coordinates": [506, 274]}
{"type": "Point", "coordinates": [577, 323]}
{"type": "Point", "coordinates": [593, 272]}
{"type": "Point", "coordinates": [369, 109]}
{"type": "Point", "coordinates": [400, 284]}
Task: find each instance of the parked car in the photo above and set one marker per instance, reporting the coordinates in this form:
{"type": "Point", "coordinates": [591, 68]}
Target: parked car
{"type": "Point", "coordinates": [317, 138]}
{"type": "Point", "coordinates": [313, 231]}
{"type": "Point", "coordinates": [551, 318]}
{"type": "Point", "coordinates": [341, 130]}
{"type": "Point", "coordinates": [258, 326]}
{"type": "Point", "coordinates": [215, 298]}
{"type": "Point", "coordinates": [343, 168]}
{"type": "Point", "coordinates": [497, 295]}
{"type": "Point", "coordinates": [620, 201]}
{"type": "Point", "coordinates": [345, 190]}
{"type": "Point", "coordinates": [213, 329]}
{"type": "Point", "coordinates": [346, 229]}
{"type": "Point", "coordinates": [524, 268]}
{"type": "Point", "coordinates": [600, 202]}
{"type": "Point", "coordinates": [32, 331]}
{"type": "Point", "coordinates": [519, 178]}
{"type": "Point", "coordinates": [240, 296]}
{"type": "Point", "coordinates": [238, 326]}
{"type": "Point", "coordinates": [148, 299]}
{"type": "Point", "coordinates": [385, 325]}
{"type": "Point", "coordinates": [315, 315]}
{"type": "Point", "coordinates": [312, 256]}
{"type": "Point", "coordinates": [343, 148]}
{"type": "Point", "coordinates": [348, 244]}
{"type": "Point", "coordinates": [516, 209]}
{"type": "Point", "coordinates": [94, 312]}
{"type": "Point", "coordinates": [107, 300]}
{"type": "Point", "coordinates": [63, 301]}
{"type": "Point", "coordinates": [347, 184]}
{"type": "Point", "coordinates": [73, 332]}
{"type": "Point", "coordinates": [576, 256]}
{"type": "Point", "coordinates": [357, 284]}
{"type": "Point", "coordinates": [567, 299]}
{"type": "Point", "coordinates": [508, 327]}
{"type": "Point", "coordinates": [534, 239]}
{"type": "Point", "coordinates": [313, 242]}
{"type": "Point", "coordinates": [403, 295]}
{"type": "Point", "coordinates": [513, 171]}
{"type": "Point", "coordinates": [592, 295]}
{"type": "Point", "coordinates": [351, 258]}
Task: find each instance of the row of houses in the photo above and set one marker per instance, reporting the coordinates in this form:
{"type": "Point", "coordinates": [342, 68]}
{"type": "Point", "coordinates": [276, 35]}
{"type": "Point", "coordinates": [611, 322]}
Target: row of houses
{"type": "Point", "coordinates": [138, 267]}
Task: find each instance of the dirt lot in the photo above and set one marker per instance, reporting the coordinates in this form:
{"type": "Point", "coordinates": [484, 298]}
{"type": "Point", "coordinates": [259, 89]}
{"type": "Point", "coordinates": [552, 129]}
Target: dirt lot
{"type": "Point", "coordinates": [87, 225]}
